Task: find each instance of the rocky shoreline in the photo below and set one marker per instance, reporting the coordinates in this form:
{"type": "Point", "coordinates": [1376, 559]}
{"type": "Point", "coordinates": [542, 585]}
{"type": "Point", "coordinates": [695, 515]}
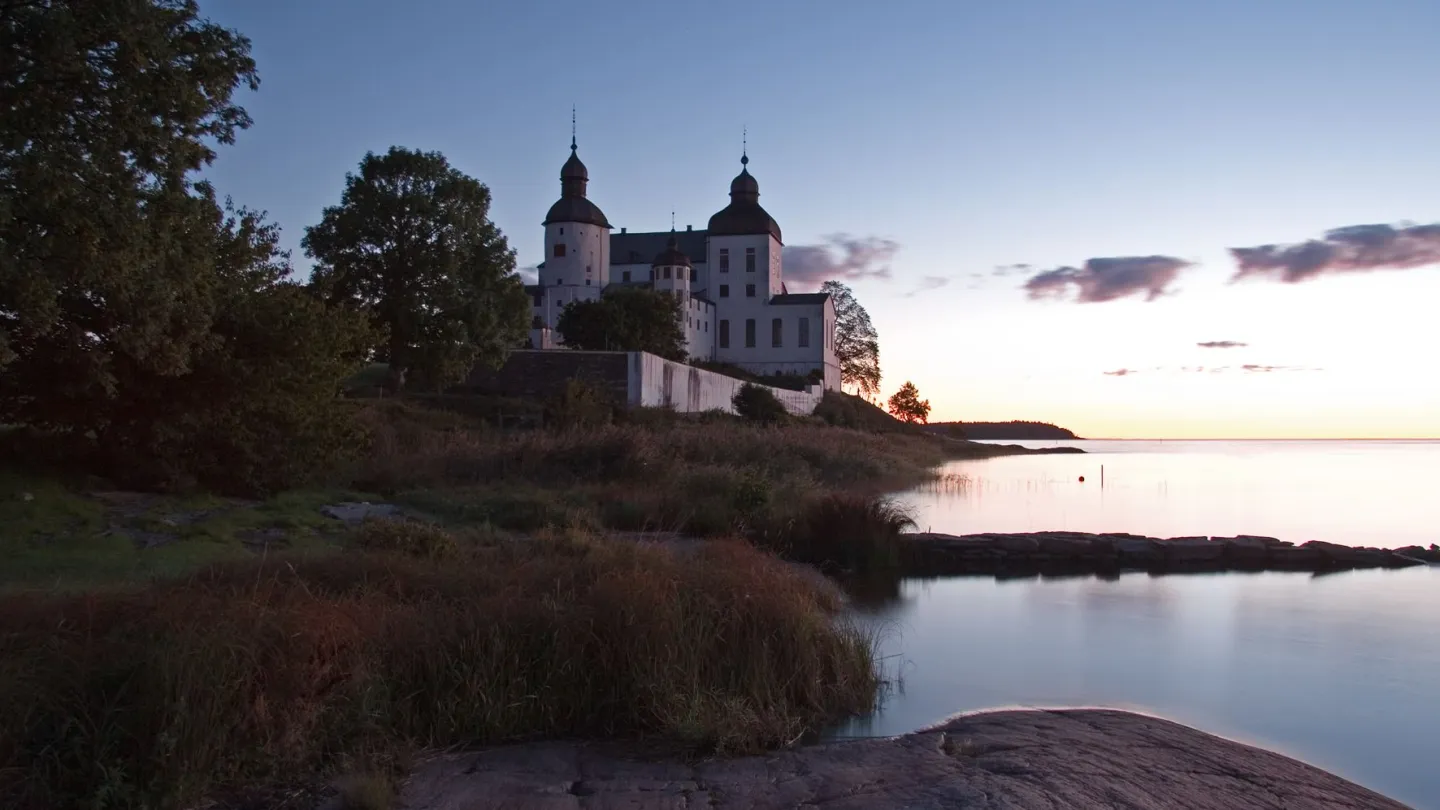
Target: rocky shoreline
{"type": "Point", "coordinates": [1008, 760]}
{"type": "Point", "coordinates": [929, 554]}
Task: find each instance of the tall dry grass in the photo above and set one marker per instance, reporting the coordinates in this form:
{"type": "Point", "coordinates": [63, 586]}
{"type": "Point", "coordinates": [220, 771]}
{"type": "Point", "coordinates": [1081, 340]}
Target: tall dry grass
{"type": "Point", "coordinates": [264, 670]}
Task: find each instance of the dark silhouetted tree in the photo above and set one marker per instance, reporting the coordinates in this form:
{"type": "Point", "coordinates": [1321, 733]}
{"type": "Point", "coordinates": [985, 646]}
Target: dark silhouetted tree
{"type": "Point", "coordinates": [143, 325]}
{"type": "Point", "coordinates": [857, 344]}
{"type": "Point", "coordinates": [627, 319]}
{"type": "Point", "coordinates": [411, 244]}
{"type": "Point", "coordinates": [907, 406]}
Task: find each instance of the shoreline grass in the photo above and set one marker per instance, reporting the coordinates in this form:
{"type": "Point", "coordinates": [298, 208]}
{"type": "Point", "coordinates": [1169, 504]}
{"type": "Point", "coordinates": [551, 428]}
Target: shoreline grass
{"type": "Point", "coordinates": [268, 669]}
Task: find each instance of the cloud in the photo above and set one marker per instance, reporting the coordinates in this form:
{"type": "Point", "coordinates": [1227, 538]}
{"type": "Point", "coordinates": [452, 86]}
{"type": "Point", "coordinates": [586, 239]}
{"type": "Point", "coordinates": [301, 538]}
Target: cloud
{"type": "Point", "coordinates": [1012, 270]}
{"type": "Point", "coordinates": [1108, 279]}
{"type": "Point", "coordinates": [1248, 368]}
{"type": "Point", "coordinates": [1352, 249]}
{"type": "Point", "coordinates": [1222, 344]}
{"type": "Point", "coordinates": [927, 284]}
{"type": "Point", "coordinates": [840, 257]}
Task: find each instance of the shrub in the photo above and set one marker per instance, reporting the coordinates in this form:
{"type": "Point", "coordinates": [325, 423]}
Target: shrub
{"type": "Point", "coordinates": [580, 404]}
{"type": "Point", "coordinates": [408, 537]}
{"type": "Point", "coordinates": [757, 404]}
{"type": "Point", "coordinates": [848, 533]}
{"type": "Point", "coordinates": [279, 668]}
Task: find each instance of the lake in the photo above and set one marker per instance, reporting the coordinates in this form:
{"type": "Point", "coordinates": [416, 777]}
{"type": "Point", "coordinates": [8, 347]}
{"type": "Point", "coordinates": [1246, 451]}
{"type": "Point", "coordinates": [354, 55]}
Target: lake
{"type": "Point", "coordinates": [1340, 670]}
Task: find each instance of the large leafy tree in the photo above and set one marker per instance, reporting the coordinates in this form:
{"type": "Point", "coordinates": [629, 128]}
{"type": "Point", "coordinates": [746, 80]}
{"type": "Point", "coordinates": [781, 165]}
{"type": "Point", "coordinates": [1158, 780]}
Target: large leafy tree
{"type": "Point", "coordinates": [907, 406]}
{"type": "Point", "coordinates": [857, 344]}
{"type": "Point", "coordinates": [411, 243]}
{"type": "Point", "coordinates": [140, 320]}
{"type": "Point", "coordinates": [629, 319]}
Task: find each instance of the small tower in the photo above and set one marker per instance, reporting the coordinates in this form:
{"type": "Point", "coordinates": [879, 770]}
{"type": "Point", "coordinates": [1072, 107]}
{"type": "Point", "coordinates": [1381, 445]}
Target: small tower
{"type": "Point", "coordinates": [671, 270]}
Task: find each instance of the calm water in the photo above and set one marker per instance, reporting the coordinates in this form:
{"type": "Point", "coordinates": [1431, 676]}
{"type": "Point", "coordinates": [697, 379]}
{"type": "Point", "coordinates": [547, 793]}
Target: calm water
{"type": "Point", "coordinates": [1342, 671]}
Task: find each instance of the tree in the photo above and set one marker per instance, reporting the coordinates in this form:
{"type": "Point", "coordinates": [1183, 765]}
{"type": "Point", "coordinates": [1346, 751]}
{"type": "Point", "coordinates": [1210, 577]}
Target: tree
{"type": "Point", "coordinates": [626, 319]}
{"type": "Point", "coordinates": [412, 245]}
{"type": "Point", "coordinates": [907, 406]}
{"type": "Point", "coordinates": [857, 344]}
{"type": "Point", "coordinates": [144, 328]}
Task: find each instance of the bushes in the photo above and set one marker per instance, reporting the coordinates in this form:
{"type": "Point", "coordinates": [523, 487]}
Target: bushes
{"type": "Point", "coordinates": [757, 404]}
{"type": "Point", "coordinates": [267, 670]}
{"type": "Point", "coordinates": [408, 537]}
{"type": "Point", "coordinates": [846, 533]}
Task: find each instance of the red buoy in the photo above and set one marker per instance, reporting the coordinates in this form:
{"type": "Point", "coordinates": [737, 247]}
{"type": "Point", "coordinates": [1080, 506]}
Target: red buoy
{"type": "Point", "coordinates": [1082, 479]}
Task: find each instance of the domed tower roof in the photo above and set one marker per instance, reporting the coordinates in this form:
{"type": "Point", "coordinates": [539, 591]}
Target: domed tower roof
{"type": "Point", "coordinates": [672, 255]}
{"type": "Point", "coordinates": [744, 216]}
{"type": "Point", "coordinates": [573, 206]}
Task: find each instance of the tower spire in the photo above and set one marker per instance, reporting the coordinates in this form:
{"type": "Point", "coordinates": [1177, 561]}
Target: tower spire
{"type": "Point", "coordinates": [572, 127]}
{"type": "Point", "coordinates": [744, 149]}
{"type": "Point", "coordinates": [672, 220]}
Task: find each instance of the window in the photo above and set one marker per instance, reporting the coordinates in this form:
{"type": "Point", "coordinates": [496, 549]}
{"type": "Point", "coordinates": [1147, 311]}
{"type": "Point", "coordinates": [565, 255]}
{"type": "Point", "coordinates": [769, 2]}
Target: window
{"type": "Point", "coordinates": [666, 271]}
{"type": "Point", "coordinates": [749, 333]}
{"type": "Point", "coordinates": [724, 290]}
{"type": "Point", "coordinates": [559, 251]}
{"type": "Point", "coordinates": [724, 334]}
{"type": "Point", "coordinates": [562, 231]}
{"type": "Point", "coordinates": [724, 260]}
{"type": "Point", "coordinates": [749, 290]}
{"type": "Point", "coordinates": [804, 333]}
{"type": "Point", "coordinates": [539, 297]}
{"type": "Point", "coordinates": [587, 282]}
{"type": "Point", "coordinates": [692, 275]}
{"type": "Point", "coordinates": [749, 260]}
{"type": "Point", "coordinates": [536, 323]}
{"type": "Point", "coordinates": [625, 276]}
{"type": "Point", "coordinates": [707, 326]}
{"type": "Point", "coordinates": [775, 330]}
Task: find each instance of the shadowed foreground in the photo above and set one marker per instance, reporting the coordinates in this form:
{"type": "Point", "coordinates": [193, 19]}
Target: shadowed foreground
{"type": "Point", "coordinates": [1012, 759]}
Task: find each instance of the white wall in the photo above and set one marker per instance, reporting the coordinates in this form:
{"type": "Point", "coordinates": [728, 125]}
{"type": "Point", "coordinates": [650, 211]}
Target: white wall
{"type": "Point", "coordinates": [656, 382]}
{"type": "Point", "coordinates": [586, 259]}
{"type": "Point", "coordinates": [555, 299]}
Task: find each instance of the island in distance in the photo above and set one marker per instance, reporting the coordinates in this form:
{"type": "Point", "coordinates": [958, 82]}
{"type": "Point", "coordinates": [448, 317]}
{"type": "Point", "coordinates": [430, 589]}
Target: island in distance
{"type": "Point", "coordinates": [1006, 430]}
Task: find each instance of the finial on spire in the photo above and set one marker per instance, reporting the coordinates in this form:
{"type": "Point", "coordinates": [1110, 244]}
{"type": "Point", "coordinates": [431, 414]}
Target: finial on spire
{"type": "Point", "coordinates": [672, 220]}
{"type": "Point", "coordinates": [572, 127]}
{"type": "Point", "coordinates": [744, 149]}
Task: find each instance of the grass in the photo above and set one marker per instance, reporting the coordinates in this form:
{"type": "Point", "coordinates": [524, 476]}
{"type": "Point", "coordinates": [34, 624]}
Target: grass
{"type": "Point", "coordinates": [265, 669]}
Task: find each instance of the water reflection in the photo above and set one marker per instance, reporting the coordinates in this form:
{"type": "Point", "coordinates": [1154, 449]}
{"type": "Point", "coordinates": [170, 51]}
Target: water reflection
{"type": "Point", "coordinates": [1359, 493]}
{"type": "Point", "coordinates": [1337, 670]}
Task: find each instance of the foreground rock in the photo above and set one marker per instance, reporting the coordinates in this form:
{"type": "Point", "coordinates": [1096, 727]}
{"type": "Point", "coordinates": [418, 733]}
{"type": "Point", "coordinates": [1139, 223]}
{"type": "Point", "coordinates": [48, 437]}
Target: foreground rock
{"type": "Point", "coordinates": [1020, 760]}
{"type": "Point", "coordinates": [1080, 552]}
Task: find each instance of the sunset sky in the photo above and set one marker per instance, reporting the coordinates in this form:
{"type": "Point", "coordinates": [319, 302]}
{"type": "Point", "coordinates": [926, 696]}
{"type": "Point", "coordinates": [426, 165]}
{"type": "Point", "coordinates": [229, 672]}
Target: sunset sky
{"type": "Point", "coordinates": [945, 159]}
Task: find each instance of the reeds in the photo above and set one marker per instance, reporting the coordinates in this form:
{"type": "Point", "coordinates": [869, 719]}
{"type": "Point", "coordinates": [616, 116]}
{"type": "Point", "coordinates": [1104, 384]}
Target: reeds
{"type": "Point", "coordinates": [264, 670]}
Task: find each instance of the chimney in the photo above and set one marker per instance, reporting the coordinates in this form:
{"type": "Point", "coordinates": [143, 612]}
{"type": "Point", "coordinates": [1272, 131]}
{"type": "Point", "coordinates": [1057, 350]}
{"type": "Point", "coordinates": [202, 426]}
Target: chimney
{"type": "Point", "coordinates": [622, 230]}
{"type": "Point", "coordinates": [689, 228]}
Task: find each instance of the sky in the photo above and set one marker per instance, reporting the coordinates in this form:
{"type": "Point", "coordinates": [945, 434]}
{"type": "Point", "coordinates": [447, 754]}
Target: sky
{"type": "Point", "coordinates": [1046, 207]}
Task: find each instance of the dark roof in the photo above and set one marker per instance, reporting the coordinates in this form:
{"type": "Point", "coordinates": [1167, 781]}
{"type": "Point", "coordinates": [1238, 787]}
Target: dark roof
{"type": "Point", "coordinates": [640, 248]}
{"type": "Point", "coordinates": [800, 298]}
{"type": "Point", "coordinates": [744, 216]}
{"type": "Point", "coordinates": [672, 255]}
{"type": "Point", "coordinates": [576, 209]}
{"type": "Point", "coordinates": [573, 206]}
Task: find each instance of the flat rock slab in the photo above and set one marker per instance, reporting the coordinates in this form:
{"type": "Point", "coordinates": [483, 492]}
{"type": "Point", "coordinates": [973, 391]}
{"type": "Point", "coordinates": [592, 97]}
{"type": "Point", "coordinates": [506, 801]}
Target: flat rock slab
{"type": "Point", "coordinates": [1018, 760]}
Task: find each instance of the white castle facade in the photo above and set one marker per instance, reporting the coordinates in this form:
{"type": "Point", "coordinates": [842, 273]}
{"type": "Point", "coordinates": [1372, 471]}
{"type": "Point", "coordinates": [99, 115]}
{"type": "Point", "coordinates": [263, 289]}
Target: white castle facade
{"type": "Point", "coordinates": [729, 279]}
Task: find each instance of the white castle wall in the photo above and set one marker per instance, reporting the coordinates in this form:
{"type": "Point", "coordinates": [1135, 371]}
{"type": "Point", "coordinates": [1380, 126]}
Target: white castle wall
{"type": "Point", "coordinates": [656, 382]}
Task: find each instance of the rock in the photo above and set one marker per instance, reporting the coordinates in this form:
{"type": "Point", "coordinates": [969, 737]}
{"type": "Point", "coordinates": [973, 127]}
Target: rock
{"type": "Point", "coordinates": [1065, 545]}
{"type": "Point", "coordinates": [1348, 556]}
{"type": "Point", "coordinates": [1139, 550]}
{"type": "Point", "coordinates": [351, 512]}
{"type": "Point", "coordinates": [1009, 760]}
{"type": "Point", "coordinates": [1192, 550]}
{"type": "Point", "coordinates": [1294, 558]}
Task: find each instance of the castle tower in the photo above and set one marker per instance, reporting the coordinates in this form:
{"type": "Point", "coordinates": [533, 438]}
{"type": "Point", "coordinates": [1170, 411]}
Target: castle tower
{"type": "Point", "coordinates": [671, 270]}
{"type": "Point", "coordinates": [577, 235]}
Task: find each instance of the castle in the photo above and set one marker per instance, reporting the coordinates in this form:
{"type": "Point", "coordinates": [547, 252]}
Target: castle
{"type": "Point", "coordinates": [728, 278]}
